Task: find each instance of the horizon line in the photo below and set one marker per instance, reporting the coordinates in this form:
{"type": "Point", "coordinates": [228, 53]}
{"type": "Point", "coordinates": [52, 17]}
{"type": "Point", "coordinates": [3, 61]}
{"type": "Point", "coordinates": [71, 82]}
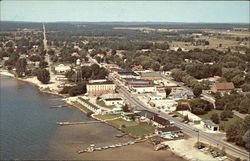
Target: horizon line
{"type": "Point", "coordinates": [123, 22]}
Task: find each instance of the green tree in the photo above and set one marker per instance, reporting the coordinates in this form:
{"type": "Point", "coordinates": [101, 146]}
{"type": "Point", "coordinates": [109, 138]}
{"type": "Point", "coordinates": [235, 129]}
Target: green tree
{"type": "Point", "coordinates": [223, 116]}
{"type": "Point", "coordinates": [168, 91]}
{"type": "Point", "coordinates": [43, 76]}
{"type": "Point", "coordinates": [215, 118]}
{"type": "Point", "coordinates": [21, 67]}
{"type": "Point", "coordinates": [197, 90]}
{"type": "Point", "coordinates": [244, 105]}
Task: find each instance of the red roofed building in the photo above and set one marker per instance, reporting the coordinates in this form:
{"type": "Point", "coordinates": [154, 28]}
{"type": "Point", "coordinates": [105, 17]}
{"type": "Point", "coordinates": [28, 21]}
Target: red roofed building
{"type": "Point", "coordinates": [222, 87]}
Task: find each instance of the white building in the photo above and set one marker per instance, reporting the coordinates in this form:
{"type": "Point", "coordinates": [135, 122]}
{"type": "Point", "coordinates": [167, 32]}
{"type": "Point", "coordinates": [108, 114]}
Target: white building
{"type": "Point", "coordinates": [210, 125]}
{"type": "Point", "coordinates": [139, 89]}
{"type": "Point", "coordinates": [113, 101]}
{"type": "Point", "coordinates": [164, 104]}
{"type": "Point", "coordinates": [192, 117]}
{"type": "Point", "coordinates": [61, 68]}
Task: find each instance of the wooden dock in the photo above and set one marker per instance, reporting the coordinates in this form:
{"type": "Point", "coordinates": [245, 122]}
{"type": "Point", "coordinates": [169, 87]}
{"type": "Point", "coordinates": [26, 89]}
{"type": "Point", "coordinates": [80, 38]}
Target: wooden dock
{"type": "Point", "coordinates": [78, 123]}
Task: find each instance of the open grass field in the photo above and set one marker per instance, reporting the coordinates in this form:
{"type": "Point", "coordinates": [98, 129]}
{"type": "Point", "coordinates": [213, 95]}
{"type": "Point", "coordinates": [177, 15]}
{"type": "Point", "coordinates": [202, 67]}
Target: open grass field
{"type": "Point", "coordinates": [139, 130]}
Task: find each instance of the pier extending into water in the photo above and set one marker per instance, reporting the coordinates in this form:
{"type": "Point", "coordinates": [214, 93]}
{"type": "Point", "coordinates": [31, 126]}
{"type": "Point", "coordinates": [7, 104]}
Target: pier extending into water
{"type": "Point", "coordinates": [77, 123]}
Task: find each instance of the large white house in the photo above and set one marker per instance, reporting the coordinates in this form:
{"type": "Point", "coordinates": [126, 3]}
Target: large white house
{"type": "Point", "coordinates": [61, 68]}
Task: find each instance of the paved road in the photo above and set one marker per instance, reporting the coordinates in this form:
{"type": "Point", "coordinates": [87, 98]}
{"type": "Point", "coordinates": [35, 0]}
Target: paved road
{"type": "Point", "coordinates": [185, 128]}
{"type": "Point", "coordinates": [213, 138]}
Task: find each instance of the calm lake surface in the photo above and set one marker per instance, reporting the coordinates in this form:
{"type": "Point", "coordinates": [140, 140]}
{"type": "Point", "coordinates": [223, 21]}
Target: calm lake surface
{"type": "Point", "coordinates": [27, 122]}
{"type": "Point", "coordinates": [28, 130]}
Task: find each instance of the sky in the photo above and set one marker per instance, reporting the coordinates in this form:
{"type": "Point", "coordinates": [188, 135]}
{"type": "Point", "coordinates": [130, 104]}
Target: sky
{"type": "Point", "coordinates": [96, 11]}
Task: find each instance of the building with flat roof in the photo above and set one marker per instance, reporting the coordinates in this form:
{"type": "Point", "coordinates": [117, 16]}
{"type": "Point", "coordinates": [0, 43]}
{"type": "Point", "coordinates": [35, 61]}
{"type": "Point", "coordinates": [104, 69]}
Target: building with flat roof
{"type": "Point", "coordinates": [210, 125]}
{"type": "Point", "coordinates": [100, 87]}
{"type": "Point", "coordinates": [151, 75]}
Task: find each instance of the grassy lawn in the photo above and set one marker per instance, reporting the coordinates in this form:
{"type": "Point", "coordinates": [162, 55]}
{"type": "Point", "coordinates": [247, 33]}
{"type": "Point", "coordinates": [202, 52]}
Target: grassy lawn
{"type": "Point", "coordinates": [83, 107]}
{"type": "Point", "coordinates": [110, 116]}
{"type": "Point", "coordinates": [139, 130]}
{"type": "Point", "coordinates": [102, 104]}
{"type": "Point", "coordinates": [118, 122]}
{"type": "Point", "coordinates": [226, 124]}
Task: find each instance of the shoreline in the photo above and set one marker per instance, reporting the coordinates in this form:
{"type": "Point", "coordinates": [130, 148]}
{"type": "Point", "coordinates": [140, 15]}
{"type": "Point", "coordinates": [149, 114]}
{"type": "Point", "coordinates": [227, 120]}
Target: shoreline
{"type": "Point", "coordinates": [69, 102]}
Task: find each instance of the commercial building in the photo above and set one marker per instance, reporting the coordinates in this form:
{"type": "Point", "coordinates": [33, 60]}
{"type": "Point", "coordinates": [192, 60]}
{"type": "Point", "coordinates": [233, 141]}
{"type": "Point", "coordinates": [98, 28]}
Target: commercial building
{"type": "Point", "coordinates": [164, 104]}
{"type": "Point", "coordinates": [151, 75]}
{"type": "Point", "coordinates": [100, 87]}
{"type": "Point", "coordinates": [113, 101]}
{"type": "Point", "coordinates": [140, 89]}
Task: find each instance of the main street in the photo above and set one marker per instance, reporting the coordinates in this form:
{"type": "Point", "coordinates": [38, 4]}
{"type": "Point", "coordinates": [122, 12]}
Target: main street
{"type": "Point", "coordinates": [187, 129]}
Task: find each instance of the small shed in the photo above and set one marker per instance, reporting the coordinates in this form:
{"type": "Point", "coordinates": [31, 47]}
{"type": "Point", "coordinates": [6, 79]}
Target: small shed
{"type": "Point", "coordinates": [210, 125]}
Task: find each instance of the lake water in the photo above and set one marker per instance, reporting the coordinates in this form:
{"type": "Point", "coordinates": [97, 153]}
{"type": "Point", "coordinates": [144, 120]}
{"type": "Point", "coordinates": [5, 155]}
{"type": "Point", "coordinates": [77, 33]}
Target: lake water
{"type": "Point", "coordinates": [28, 129]}
{"type": "Point", "coordinates": [27, 122]}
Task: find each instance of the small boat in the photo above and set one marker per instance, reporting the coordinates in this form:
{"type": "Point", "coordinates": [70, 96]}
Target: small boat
{"type": "Point", "coordinates": [131, 142]}
{"type": "Point", "coordinates": [98, 149]}
{"type": "Point", "coordinates": [112, 146]}
{"type": "Point", "coordinates": [119, 135]}
{"type": "Point", "coordinates": [124, 144]}
{"type": "Point", "coordinates": [118, 145]}
{"type": "Point", "coordinates": [105, 147]}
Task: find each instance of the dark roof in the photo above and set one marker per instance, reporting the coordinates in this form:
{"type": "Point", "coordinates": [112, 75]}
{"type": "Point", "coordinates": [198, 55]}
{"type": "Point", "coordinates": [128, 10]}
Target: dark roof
{"type": "Point", "coordinates": [127, 72]}
{"type": "Point", "coordinates": [96, 83]}
{"type": "Point", "coordinates": [113, 99]}
{"type": "Point", "coordinates": [224, 86]}
{"type": "Point", "coordinates": [147, 114]}
{"type": "Point", "coordinates": [169, 129]}
{"type": "Point", "coordinates": [161, 120]}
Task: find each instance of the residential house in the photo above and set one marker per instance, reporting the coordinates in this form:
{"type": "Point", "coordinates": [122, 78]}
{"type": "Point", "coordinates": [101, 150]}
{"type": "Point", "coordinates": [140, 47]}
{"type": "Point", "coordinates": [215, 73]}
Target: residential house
{"type": "Point", "coordinates": [224, 87]}
{"type": "Point", "coordinates": [168, 130]}
{"type": "Point", "coordinates": [62, 69]}
{"type": "Point", "coordinates": [130, 116]}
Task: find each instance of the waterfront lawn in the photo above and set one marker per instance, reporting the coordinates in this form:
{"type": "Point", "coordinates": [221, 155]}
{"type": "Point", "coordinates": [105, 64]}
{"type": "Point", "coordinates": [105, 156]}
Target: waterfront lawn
{"type": "Point", "coordinates": [83, 108]}
{"type": "Point", "coordinates": [119, 122]}
{"type": "Point", "coordinates": [102, 104]}
{"type": "Point", "coordinates": [139, 130]}
{"type": "Point", "coordinates": [225, 124]}
{"type": "Point", "coordinates": [108, 116]}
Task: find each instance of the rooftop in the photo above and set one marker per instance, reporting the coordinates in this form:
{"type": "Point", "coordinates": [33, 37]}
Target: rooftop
{"type": "Point", "coordinates": [224, 86]}
{"type": "Point", "coordinates": [169, 128]}
{"type": "Point", "coordinates": [209, 122]}
{"type": "Point", "coordinates": [100, 83]}
{"type": "Point", "coordinates": [150, 74]}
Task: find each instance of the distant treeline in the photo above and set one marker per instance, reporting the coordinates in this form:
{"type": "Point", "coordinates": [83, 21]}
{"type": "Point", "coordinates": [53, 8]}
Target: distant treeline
{"type": "Point", "coordinates": [12, 26]}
